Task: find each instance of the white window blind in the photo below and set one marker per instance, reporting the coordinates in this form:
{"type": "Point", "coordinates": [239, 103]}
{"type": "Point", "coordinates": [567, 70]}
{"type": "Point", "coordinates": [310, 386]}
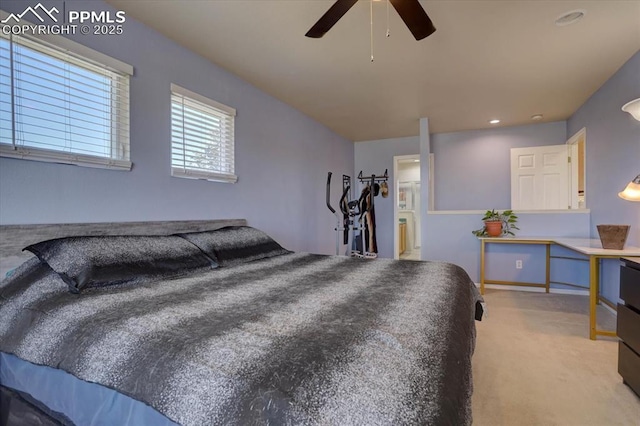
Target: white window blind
{"type": "Point", "coordinates": [58, 106]}
{"type": "Point", "coordinates": [202, 137]}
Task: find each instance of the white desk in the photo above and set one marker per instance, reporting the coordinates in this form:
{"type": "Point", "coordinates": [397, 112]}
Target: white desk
{"type": "Point", "coordinates": [591, 248]}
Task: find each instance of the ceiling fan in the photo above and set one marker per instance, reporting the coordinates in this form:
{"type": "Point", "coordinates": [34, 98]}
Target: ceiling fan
{"type": "Point", "coordinates": [413, 15]}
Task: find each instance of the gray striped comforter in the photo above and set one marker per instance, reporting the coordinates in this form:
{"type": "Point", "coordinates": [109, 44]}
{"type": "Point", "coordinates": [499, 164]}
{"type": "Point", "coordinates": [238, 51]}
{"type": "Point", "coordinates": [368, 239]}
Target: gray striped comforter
{"type": "Point", "coordinates": [294, 339]}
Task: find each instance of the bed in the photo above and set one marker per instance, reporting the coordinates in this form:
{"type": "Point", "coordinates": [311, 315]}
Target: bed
{"type": "Point", "coordinates": [213, 322]}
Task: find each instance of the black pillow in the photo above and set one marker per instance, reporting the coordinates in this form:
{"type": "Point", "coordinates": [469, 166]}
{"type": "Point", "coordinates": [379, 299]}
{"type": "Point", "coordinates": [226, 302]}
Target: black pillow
{"type": "Point", "coordinates": [233, 245]}
{"type": "Point", "coordinates": [105, 260]}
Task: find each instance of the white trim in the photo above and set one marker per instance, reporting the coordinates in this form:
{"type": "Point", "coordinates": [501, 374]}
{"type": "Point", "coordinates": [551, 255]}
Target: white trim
{"type": "Point", "coordinates": [535, 289]}
{"type": "Point", "coordinates": [396, 236]}
{"type": "Point", "coordinates": [542, 290]}
{"type": "Point", "coordinates": [183, 100]}
{"type": "Point", "coordinates": [609, 308]}
{"type": "Point", "coordinates": [202, 175]}
{"type": "Point", "coordinates": [512, 288]}
{"type": "Point", "coordinates": [576, 136]}
{"type": "Point", "coordinates": [573, 140]}
{"type": "Point", "coordinates": [569, 291]}
{"type": "Point", "coordinates": [52, 156]}
{"type": "Point", "coordinates": [203, 99]}
{"type": "Point", "coordinates": [396, 191]}
{"type": "Point", "coordinates": [456, 212]}
{"type": "Point", "coordinates": [564, 211]}
{"type": "Point", "coordinates": [19, 148]}
{"type": "Point", "coordinates": [432, 183]}
{"type": "Point", "coordinates": [63, 43]}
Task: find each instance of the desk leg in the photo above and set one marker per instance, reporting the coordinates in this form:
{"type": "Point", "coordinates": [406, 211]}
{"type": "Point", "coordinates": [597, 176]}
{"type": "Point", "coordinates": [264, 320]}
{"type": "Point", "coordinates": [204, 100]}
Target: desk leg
{"type": "Point", "coordinates": [547, 281]}
{"type": "Point", "coordinates": [593, 295]}
{"type": "Point", "coordinates": [598, 261]}
{"type": "Point", "coordinates": [481, 266]}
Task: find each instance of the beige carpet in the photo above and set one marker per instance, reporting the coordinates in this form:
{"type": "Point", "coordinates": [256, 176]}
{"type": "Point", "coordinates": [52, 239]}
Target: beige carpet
{"type": "Point", "coordinates": [535, 365]}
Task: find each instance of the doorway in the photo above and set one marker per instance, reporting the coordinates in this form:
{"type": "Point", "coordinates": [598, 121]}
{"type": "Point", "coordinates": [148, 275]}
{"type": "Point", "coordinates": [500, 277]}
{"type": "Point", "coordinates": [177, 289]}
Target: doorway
{"type": "Point", "coordinates": [577, 162]}
{"type": "Point", "coordinates": [407, 207]}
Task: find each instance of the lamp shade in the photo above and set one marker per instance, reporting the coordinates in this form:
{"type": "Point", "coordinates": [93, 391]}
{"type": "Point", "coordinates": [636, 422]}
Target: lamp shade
{"type": "Point", "coordinates": [632, 191]}
{"type": "Point", "coordinates": [633, 108]}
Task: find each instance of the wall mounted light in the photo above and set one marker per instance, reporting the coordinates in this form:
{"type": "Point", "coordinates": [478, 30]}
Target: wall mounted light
{"type": "Point", "coordinates": [632, 191]}
{"type": "Point", "coordinates": [633, 108]}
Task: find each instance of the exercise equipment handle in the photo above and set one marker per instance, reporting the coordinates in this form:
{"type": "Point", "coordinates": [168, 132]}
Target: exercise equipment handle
{"type": "Point", "coordinates": [329, 193]}
{"type": "Point", "coordinates": [344, 195]}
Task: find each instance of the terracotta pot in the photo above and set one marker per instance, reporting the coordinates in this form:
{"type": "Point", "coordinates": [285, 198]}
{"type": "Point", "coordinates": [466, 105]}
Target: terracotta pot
{"type": "Point", "coordinates": [494, 229]}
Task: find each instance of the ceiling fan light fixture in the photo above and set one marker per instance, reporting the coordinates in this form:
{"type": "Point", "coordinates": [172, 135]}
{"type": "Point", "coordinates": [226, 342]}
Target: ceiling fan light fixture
{"type": "Point", "coordinates": [570, 17]}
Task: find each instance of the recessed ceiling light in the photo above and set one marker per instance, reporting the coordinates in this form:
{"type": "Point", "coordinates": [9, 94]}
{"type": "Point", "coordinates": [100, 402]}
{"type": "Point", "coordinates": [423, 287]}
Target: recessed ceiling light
{"type": "Point", "coordinates": [570, 17]}
{"type": "Point", "coordinates": [416, 161]}
{"type": "Point", "coordinates": [536, 117]}
{"type": "Point", "coordinates": [494, 121]}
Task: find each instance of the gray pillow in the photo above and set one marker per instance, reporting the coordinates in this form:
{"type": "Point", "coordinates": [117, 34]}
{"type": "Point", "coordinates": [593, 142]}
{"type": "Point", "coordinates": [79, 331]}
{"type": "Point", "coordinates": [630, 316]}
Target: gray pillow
{"type": "Point", "coordinates": [233, 245]}
{"type": "Point", "coordinates": [106, 260]}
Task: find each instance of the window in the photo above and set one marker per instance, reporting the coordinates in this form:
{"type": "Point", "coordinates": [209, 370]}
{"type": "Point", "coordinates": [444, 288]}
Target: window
{"type": "Point", "coordinates": [202, 139]}
{"type": "Point", "coordinates": [62, 106]}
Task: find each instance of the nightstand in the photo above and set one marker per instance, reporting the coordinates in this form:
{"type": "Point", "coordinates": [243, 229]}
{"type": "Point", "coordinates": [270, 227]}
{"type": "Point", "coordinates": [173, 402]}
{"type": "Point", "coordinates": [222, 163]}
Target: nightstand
{"type": "Point", "coordinates": [629, 323]}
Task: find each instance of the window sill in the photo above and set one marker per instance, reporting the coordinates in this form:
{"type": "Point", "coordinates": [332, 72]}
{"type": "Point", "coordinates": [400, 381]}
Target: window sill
{"type": "Point", "coordinates": [50, 156]}
{"type": "Point", "coordinates": [199, 175]}
{"type": "Point", "coordinates": [449, 212]}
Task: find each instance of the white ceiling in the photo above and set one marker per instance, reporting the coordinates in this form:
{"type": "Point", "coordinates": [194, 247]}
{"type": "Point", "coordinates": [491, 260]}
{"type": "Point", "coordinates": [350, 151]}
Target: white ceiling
{"type": "Point", "coordinates": [488, 59]}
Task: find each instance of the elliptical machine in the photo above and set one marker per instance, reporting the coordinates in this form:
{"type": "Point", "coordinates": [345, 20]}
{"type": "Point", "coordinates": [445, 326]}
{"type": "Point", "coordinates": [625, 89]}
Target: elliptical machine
{"type": "Point", "coordinates": [351, 222]}
{"type": "Point", "coordinates": [349, 210]}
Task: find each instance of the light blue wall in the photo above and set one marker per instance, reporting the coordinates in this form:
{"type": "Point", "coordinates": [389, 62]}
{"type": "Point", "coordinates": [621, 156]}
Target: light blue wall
{"type": "Point", "coordinates": [477, 162]}
{"type": "Point", "coordinates": [282, 156]}
{"type": "Point", "coordinates": [373, 157]}
{"type": "Point", "coordinates": [613, 158]}
{"type": "Point", "coordinates": [461, 167]}
{"type": "Point", "coordinates": [612, 149]}
{"type": "Point", "coordinates": [449, 239]}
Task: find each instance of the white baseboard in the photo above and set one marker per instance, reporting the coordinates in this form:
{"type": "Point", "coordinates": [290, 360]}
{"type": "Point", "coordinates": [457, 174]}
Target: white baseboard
{"type": "Point", "coordinates": [535, 289]}
{"type": "Point", "coordinates": [569, 291]}
{"type": "Point", "coordinates": [542, 290]}
{"type": "Point", "coordinates": [609, 308]}
{"type": "Point", "coordinates": [513, 288]}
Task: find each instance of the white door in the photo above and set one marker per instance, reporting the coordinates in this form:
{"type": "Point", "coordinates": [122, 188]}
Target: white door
{"type": "Point", "coordinates": [540, 178]}
{"type": "Point", "coordinates": [574, 202]}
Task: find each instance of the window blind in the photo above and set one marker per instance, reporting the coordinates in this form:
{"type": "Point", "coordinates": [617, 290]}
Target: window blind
{"type": "Point", "coordinates": [202, 137]}
{"type": "Point", "coordinates": [58, 106]}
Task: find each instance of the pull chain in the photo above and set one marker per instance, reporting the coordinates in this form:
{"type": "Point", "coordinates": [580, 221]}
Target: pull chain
{"type": "Point", "coordinates": [371, 32]}
{"type": "Point", "coordinates": [388, 32]}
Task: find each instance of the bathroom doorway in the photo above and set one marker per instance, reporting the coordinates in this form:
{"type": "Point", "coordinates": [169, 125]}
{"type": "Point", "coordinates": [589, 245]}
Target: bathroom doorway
{"type": "Point", "coordinates": [407, 207]}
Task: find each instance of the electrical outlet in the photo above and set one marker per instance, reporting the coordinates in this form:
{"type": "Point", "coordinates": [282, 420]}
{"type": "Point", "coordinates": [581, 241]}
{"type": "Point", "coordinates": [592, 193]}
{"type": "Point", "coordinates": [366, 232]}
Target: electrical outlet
{"type": "Point", "coordinates": [518, 264]}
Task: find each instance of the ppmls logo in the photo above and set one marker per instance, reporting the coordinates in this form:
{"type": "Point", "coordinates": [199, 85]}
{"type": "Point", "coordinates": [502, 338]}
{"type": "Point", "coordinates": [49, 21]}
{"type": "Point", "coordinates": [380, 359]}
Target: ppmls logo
{"type": "Point", "coordinates": [38, 20]}
{"type": "Point", "coordinates": [34, 11]}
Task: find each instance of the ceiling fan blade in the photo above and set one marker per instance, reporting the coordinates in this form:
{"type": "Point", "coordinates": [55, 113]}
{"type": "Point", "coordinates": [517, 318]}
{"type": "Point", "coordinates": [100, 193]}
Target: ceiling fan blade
{"type": "Point", "coordinates": [329, 19]}
{"type": "Point", "coordinates": [414, 17]}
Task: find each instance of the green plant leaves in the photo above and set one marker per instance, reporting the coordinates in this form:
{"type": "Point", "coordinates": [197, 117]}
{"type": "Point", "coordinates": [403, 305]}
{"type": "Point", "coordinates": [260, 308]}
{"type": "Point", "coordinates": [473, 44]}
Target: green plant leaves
{"type": "Point", "coordinates": [507, 217]}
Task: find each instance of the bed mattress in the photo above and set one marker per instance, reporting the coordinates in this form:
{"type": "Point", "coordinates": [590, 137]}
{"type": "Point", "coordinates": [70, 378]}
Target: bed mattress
{"type": "Point", "coordinates": [293, 339]}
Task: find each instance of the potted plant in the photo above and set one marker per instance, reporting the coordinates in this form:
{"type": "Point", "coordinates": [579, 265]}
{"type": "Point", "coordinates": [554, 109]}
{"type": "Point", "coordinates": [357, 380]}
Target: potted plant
{"type": "Point", "coordinates": [497, 224]}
